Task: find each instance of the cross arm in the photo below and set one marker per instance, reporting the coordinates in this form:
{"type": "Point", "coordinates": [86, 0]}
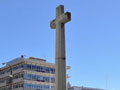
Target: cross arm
{"type": "Point", "coordinates": [64, 18]}
{"type": "Point", "coordinates": [53, 24]}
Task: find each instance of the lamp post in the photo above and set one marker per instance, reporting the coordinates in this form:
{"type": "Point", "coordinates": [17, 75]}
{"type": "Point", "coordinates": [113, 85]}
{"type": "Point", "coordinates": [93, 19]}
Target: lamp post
{"type": "Point", "coordinates": [10, 80]}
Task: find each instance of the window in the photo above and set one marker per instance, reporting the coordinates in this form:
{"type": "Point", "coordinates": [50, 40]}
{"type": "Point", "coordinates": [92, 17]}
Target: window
{"type": "Point", "coordinates": [39, 78]}
{"type": "Point", "coordinates": [39, 68]}
{"type": "Point", "coordinates": [36, 86]}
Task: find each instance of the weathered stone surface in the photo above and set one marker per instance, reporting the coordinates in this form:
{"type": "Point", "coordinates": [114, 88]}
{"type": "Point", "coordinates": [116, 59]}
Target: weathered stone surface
{"type": "Point", "coordinates": [59, 25]}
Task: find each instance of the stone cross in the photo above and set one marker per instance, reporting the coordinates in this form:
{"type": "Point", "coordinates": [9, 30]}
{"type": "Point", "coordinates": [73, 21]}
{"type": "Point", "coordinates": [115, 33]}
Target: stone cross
{"type": "Point", "coordinates": [60, 63]}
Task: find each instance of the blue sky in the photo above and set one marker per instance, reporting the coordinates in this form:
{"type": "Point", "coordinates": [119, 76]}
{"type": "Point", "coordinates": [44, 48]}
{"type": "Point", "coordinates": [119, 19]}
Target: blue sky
{"type": "Point", "coordinates": [92, 37]}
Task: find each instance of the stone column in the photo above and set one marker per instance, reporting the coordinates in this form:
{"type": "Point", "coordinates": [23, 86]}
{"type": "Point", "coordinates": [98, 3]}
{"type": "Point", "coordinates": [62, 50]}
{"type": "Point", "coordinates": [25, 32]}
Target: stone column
{"type": "Point", "coordinates": [60, 64]}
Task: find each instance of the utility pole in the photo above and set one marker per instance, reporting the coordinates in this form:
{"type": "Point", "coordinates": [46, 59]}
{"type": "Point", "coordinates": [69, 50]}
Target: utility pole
{"type": "Point", "coordinates": [10, 79]}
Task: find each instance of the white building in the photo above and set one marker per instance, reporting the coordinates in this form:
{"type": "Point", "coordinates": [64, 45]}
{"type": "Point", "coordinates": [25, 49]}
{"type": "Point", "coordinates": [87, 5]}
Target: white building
{"type": "Point", "coordinates": [27, 74]}
{"type": "Point", "coordinates": [83, 88]}
{"type": "Point", "coordinates": [80, 87]}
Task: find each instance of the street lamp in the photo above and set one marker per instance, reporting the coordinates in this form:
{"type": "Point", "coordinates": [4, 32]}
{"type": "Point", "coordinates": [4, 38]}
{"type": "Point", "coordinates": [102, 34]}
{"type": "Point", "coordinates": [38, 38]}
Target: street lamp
{"type": "Point", "coordinates": [10, 80]}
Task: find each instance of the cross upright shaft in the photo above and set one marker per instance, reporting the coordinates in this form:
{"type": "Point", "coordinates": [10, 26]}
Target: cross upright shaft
{"type": "Point", "coordinates": [60, 64]}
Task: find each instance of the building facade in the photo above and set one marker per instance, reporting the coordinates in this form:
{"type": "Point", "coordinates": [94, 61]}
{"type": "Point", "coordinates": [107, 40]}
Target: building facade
{"type": "Point", "coordinates": [27, 74]}
{"type": "Point", "coordinates": [82, 88]}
